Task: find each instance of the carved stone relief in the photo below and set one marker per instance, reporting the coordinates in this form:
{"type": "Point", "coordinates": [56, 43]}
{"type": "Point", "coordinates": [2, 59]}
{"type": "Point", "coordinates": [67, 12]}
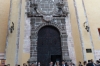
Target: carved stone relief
{"type": "Point", "coordinates": [43, 13]}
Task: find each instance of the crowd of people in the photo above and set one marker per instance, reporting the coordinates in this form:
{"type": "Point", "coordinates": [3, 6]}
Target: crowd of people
{"type": "Point", "coordinates": [57, 63]}
{"type": "Point", "coordinates": [90, 63]}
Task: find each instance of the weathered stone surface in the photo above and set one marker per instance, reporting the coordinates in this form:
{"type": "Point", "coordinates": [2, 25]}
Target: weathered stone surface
{"type": "Point", "coordinates": [70, 41]}
{"type": "Point", "coordinates": [35, 22]}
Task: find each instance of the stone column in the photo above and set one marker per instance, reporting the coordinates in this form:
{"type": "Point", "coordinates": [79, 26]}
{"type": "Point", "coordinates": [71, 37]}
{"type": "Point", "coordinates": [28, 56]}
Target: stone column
{"type": "Point", "coordinates": [65, 53]}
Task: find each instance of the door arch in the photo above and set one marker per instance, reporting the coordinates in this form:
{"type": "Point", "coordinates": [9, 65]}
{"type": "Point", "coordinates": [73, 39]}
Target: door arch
{"type": "Point", "coordinates": [48, 45]}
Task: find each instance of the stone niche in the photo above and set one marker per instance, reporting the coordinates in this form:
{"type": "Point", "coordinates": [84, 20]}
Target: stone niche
{"type": "Point", "coordinates": [43, 13]}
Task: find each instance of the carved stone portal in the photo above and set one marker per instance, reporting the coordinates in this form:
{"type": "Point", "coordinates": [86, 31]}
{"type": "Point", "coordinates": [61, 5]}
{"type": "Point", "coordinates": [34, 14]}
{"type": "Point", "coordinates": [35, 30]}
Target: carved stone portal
{"type": "Point", "coordinates": [47, 13]}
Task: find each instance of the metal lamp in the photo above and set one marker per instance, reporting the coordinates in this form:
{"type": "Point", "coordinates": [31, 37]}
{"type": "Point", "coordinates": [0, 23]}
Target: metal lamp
{"type": "Point", "coordinates": [11, 28]}
{"type": "Point", "coordinates": [86, 27]}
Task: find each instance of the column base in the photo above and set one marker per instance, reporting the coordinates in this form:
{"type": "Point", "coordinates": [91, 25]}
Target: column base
{"type": "Point", "coordinates": [32, 60]}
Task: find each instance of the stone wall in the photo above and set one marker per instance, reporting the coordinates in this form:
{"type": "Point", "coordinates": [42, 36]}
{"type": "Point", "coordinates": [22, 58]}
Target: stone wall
{"type": "Point", "coordinates": [35, 21]}
{"type": "Point", "coordinates": [4, 16]}
{"type": "Point", "coordinates": [26, 46]}
{"type": "Point", "coordinates": [70, 41]}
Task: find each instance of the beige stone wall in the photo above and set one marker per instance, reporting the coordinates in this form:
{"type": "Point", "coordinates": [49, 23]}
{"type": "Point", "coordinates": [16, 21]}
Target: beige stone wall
{"type": "Point", "coordinates": [17, 14]}
{"type": "Point", "coordinates": [4, 13]}
{"type": "Point", "coordinates": [23, 56]}
{"type": "Point", "coordinates": [75, 32]}
{"type": "Point", "coordinates": [93, 14]}
{"type": "Point", "coordinates": [12, 37]}
{"type": "Point", "coordinates": [85, 35]}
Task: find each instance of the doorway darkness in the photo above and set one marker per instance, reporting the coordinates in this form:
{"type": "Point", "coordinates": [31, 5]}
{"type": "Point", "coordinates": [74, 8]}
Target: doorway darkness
{"type": "Point", "coordinates": [49, 45]}
{"type": "Point", "coordinates": [55, 58]}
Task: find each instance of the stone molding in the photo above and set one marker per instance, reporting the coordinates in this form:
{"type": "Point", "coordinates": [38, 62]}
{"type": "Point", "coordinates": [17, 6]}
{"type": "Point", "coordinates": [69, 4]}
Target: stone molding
{"type": "Point", "coordinates": [39, 20]}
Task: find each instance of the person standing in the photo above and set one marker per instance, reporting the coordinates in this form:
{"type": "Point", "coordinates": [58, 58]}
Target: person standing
{"type": "Point", "coordinates": [64, 64]}
{"type": "Point", "coordinates": [57, 63]}
{"type": "Point", "coordinates": [80, 64]}
{"type": "Point", "coordinates": [85, 63]}
{"type": "Point", "coordinates": [92, 62]}
{"type": "Point", "coordinates": [39, 64]}
{"type": "Point", "coordinates": [89, 63]}
{"type": "Point", "coordinates": [51, 63]}
{"type": "Point", "coordinates": [99, 60]}
{"type": "Point", "coordinates": [97, 63]}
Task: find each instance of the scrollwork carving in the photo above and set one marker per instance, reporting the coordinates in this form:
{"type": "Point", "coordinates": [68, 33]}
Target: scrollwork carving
{"type": "Point", "coordinates": [65, 10]}
{"type": "Point", "coordinates": [62, 9]}
{"type": "Point", "coordinates": [32, 10]}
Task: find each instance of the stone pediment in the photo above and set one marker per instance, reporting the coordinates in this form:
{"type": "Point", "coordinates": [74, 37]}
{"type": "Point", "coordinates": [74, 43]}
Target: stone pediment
{"type": "Point", "coordinates": [47, 9]}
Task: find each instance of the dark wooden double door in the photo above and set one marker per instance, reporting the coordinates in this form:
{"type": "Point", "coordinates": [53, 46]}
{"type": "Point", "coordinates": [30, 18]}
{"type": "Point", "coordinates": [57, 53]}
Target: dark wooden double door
{"type": "Point", "coordinates": [49, 46]}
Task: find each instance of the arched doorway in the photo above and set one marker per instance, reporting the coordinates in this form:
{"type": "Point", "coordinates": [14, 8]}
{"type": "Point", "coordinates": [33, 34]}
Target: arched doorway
{"type": "Point", "coordinates": [48, 45]}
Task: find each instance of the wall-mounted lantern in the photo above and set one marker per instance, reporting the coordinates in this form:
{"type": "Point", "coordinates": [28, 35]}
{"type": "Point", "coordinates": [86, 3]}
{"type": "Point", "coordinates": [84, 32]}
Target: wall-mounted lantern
{"type": "Point", "coordinates": [86, 27]}
{"type": "Point", "coordinates": [11, 28]}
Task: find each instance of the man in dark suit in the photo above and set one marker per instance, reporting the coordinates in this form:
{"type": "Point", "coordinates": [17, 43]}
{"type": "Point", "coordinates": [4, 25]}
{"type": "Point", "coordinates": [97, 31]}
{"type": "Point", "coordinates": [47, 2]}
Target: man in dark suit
{"type": "Point", "coordinates": [89, 63]}
{"type": "Point", "coordinates": [64, 64]}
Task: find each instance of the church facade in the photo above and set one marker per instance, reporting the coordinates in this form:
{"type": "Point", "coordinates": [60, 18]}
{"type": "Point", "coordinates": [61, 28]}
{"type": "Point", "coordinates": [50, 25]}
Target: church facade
{"type": "Point", "coordinates": [49, 30]}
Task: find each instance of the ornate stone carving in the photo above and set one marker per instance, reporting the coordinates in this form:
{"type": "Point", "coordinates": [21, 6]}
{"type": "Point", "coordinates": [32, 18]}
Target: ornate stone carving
{"type": "Point", "coordinates": [47, 8]}
{"type": "Point", "coordinates": [62, 9]}
{"type": "Point", "coordinates": [32, 10]}
{"type": "Point", "coordinates": [47, 13]}
{"type": "Point", "coordinates": [48, 18]}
